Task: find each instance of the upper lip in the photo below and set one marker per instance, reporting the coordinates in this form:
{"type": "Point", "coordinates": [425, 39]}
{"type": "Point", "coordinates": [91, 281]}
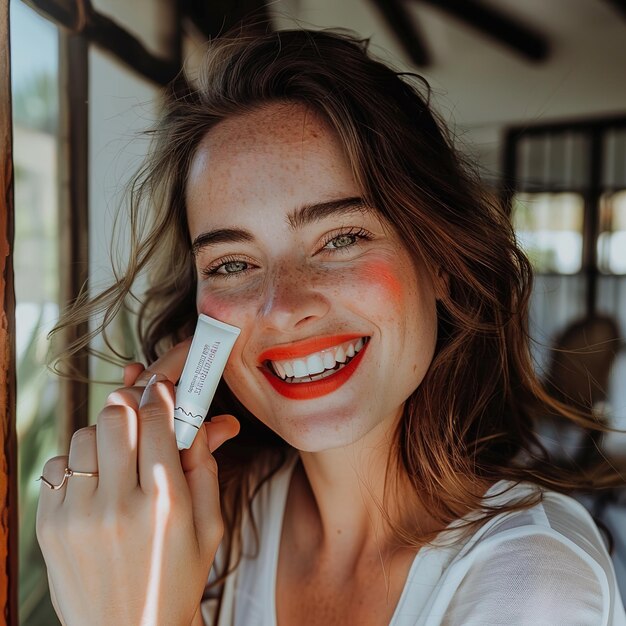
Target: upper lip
{"type": "Point", "coordinates": [305, 347]}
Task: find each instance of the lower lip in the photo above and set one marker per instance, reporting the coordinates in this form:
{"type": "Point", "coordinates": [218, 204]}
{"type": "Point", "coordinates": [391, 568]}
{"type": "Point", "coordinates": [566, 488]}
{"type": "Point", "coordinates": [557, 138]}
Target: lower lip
{"type": "Point", "coordinates": [318, 388]}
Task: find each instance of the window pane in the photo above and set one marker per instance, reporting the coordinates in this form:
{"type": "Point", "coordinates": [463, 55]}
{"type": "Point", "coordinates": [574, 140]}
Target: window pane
{"type": "Point", "coordinates": [549, 227]}
{"type": "Point", "coordinates": [34, 57]}
{"type": "Point", "coordinates": [553, 162]}
{"type": "Point", "coordinates": [614, 159]}
{"type": "Point", "coordinates": [121, 106]}
{"type": "Point", "coordinates": [612, 237]}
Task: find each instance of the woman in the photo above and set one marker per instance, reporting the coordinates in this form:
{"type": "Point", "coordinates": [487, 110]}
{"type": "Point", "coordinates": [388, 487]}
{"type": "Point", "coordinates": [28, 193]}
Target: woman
{"type": "Point", "coordinates": [305, 193]}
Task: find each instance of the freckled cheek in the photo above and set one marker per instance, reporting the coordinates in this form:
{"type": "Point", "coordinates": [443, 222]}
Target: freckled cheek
{"type": "Point", "coordinates": [226, 308]}
{"type": "Point", "coordinates": [231, 310]}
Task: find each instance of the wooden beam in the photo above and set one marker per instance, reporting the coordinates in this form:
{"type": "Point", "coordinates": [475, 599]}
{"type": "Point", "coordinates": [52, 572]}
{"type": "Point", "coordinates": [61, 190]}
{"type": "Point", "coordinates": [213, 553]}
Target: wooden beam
{"type": "Point", "coordinates": [497, 25]}
{"type": "Point", "coordinates": [73, 220]}
{"type": "Point", "coordinates": [8, 433]}
{"type": "Point", "coordinates": [80, 18]}
{"type": "Point", "coordinates": [405, 27]}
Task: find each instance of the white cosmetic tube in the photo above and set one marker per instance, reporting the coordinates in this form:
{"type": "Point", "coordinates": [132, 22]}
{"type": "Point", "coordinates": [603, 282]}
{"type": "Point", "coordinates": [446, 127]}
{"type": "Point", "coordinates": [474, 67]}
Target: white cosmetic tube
{"type": "Point", "coordinates": [210, 348]}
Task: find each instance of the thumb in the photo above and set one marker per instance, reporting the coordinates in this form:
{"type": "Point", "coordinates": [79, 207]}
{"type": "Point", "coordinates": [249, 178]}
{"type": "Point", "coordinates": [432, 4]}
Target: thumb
{"type": "Point", "coordinates": [221, 428]}
{"type": "Point", "coordinates": [212, 435]}
{"type": "Point", "coordinates": [200, 470]}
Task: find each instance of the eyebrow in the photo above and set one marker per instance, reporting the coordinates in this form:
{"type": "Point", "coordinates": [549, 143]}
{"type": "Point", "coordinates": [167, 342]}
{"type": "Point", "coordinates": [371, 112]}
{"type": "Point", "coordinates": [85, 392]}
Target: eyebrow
{"type": "Point", "coordinates": [297, 219]}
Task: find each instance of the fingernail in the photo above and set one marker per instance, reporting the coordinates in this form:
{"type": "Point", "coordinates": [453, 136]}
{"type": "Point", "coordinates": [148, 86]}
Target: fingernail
{"type": "Point", "coordinates": [147, 389]}
{"type": "Point", "coordinates": [219, 418]}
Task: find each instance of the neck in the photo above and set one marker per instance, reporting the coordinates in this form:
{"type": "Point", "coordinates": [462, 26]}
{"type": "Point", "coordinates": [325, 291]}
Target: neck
{"type": "Point", "coordinates": [340, 501]}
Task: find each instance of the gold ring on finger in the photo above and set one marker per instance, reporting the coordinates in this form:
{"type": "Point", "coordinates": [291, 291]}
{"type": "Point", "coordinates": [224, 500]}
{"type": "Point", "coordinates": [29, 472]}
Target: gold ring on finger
{"type": "Point", "coordinates": [66, 474]}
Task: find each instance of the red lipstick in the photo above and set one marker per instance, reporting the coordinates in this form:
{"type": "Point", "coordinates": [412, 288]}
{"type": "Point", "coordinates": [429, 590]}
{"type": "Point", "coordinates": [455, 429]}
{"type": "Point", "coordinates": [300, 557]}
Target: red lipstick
{"type": "Point", "coordinates": [304, 348]}
{"type": "Point", "coordinates": [318, 388]}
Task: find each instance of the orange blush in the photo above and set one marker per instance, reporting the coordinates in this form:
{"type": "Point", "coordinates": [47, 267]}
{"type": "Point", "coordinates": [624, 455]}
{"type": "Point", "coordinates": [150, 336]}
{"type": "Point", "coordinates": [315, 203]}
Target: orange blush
{"type": "Point", "coordinates": [384, 275]}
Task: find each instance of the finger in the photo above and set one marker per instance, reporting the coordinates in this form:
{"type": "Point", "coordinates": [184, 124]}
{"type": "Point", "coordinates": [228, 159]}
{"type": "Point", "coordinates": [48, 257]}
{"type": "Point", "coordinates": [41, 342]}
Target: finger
{"type": "Point", "coordinates": [53, 472]}
{"type": "Point", "coordinates": [117, 435]}
{"type": "Point", "coordinates": [170, 365]}
{"type": "Point", "coordinates": [117, 441]}
{"type": "Point", "coordinates": [200, 471]}
{"type": "Point", "coordinates": [131, 372]}
{"type": "Point", "coordinates": [129, 396]}
{"type": "Point", "coordinates": [55, 602]}
{"type": "Point", "coordinates": [211, 436]}
{"type": "Point", "coordinates": [83, 458]}
{"type": "Point", "coordinates": [221, 428]}
{"type": "Point", "coordinates": [157, 452]}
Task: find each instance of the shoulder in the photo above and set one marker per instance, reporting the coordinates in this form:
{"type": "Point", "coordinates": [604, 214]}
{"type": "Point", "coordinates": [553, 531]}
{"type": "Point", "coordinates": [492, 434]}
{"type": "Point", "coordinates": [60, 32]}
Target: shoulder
{"type": "Point", "coordinates": [543, 565]}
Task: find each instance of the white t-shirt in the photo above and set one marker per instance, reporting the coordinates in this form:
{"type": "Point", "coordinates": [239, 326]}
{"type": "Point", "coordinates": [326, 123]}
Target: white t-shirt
{"type": "Point", "coordinates": [546, 565]}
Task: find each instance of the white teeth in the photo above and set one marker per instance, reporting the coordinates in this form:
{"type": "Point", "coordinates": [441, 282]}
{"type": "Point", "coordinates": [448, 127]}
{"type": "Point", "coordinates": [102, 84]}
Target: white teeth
{"type": "Point", "coordinates": [318, 365]}
{"type": "Point", "coordinates": [314, 364]}
{"type": "Point", "coordinates": [288, 368]}
{"type": "Point", "coordinates": [299, 368]}
{"type": "Point", "coordinates": [314, 377]}
{"type": "Point", "coordinates": [340, 355]}
{"type": "Point", "coordinates": [280, 370]}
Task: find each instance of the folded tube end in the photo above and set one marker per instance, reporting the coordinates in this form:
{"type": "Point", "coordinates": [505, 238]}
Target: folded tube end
{"type": "Point", "coordinates": [185, 434]}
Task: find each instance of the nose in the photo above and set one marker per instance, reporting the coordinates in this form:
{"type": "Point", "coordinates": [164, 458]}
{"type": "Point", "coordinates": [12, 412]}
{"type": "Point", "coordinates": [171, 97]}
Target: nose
{"type": "Point", "coordinates": [292, 299]}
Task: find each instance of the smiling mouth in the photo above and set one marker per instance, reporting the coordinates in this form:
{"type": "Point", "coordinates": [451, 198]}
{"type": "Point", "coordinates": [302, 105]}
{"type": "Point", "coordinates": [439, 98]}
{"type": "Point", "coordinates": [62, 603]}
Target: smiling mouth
{"type": "Point", "coordinates": [307, 370]}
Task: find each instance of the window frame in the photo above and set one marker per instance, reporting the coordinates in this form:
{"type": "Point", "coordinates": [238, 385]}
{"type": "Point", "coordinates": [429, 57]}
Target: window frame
{"type": "Point", "coordinates": [594, 129]}
{"type": "Point", "coordinates": [8, 432]}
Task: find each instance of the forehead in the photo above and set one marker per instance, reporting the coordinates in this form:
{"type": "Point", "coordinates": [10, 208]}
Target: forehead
{"type": "Point", "coordinates": [282, 155]}
{"type": "Point", "coordinates": [281, 139]}
{"type": "Point", "coordinates": [280, 124]}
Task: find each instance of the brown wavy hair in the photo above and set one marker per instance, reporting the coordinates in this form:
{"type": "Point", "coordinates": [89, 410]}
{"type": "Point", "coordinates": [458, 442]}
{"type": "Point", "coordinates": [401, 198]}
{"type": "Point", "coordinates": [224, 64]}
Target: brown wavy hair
{"type": "Point", "coordinates": [471, 419]}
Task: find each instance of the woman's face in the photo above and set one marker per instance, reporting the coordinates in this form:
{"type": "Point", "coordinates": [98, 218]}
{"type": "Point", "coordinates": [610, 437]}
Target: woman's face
{"type": "Point", "coordinates": [286, 251]}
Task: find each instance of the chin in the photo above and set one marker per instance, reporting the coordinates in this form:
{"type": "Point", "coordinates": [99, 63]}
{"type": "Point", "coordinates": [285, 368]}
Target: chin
{"type": "Point", "coordinates": [319, 432]}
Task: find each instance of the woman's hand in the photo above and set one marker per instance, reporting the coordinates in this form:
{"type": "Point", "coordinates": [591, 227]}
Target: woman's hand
{"type": "Point", "coordinates": [134, 545]}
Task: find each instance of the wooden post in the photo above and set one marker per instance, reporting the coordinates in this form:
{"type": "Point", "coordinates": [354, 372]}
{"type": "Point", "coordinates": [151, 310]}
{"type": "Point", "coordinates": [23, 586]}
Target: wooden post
{"type": "Point", "coordinates": [8, 436]}
{"type": "Point", "coordinates": [73, 219]}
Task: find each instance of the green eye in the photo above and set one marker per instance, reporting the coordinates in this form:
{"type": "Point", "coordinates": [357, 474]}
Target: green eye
{"type": "Point", "coordinates": [226, 269]}
{"type": "Point", "coordinates": [346, 240]}
{"type": "Point", "coordinates": [342, 241]}
{"type": "Point", "coordinates": [233, 267]}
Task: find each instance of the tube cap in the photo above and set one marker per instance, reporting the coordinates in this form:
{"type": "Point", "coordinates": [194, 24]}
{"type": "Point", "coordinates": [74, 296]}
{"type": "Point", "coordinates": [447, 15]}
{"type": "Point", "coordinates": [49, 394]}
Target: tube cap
{"type": "Point", "coordinates": [185, 434]}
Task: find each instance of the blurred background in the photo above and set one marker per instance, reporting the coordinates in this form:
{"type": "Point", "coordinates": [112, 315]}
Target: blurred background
{"type": "Point", "coordinates": [533, 91]}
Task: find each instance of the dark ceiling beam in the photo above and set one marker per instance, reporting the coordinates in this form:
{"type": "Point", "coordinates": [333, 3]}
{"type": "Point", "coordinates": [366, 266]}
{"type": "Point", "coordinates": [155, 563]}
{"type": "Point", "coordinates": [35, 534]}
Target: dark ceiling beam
{"type": "Point", "coordinates": [405, 28]}
{"type": "Point", "coordinates": [498, 25]}
{"type": "Point", "coordinates": [619, 5]}
{"type": "Point", "coordinates": [81, 18]}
